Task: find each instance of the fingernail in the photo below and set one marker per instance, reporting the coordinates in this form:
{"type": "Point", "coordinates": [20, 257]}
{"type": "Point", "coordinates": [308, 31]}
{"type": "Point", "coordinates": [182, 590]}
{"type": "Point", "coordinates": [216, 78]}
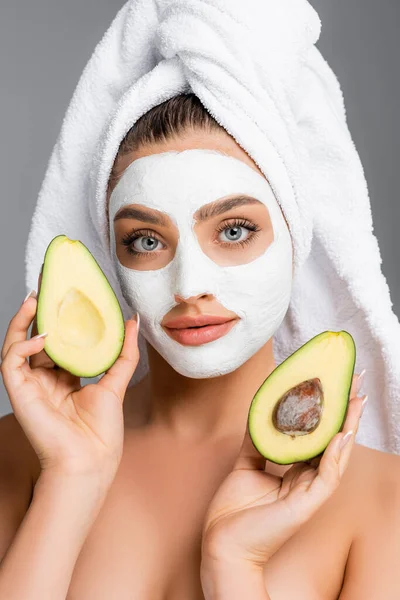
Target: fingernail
{"type": "Point", "coordinates": [360, 380]}
{"type": "Point", "coordinates": [40, 335]}
{"type": "Point", "coordinates": [346, 438]}
{"type": "Point", "coordinates": [363, 403]}
{"type": "Point", "coordinates": [31, 293]}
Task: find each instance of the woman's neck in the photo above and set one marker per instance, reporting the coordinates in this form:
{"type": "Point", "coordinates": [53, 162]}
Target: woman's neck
{"type": "Point", "coordinates": [200, 409]}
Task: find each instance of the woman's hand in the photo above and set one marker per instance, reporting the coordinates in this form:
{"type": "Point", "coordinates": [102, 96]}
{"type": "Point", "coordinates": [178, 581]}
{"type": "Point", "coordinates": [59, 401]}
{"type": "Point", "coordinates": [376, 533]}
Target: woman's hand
{"type": "Point", "coordinates": [73, 429]}
{"type": "Point", "coordinates": [254, 513]}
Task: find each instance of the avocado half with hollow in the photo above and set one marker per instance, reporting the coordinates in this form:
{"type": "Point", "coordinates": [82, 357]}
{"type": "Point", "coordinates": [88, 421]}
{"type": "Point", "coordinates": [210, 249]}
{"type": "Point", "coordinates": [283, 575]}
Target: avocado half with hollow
{"type": "Point", "coordinates": [79, 309]}
{"type": "Point", "coordinates": [303, 403]}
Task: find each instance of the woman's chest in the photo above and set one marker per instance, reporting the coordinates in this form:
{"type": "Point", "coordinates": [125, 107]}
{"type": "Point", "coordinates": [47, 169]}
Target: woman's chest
{"type": "Point", "coordinates": [145, 540]}
{"type": "Point", "coordinates": [145, 545]}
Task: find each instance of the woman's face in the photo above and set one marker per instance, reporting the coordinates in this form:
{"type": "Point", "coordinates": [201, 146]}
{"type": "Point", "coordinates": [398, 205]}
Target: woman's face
{"type": "Point", "coordinates": [195, 229]}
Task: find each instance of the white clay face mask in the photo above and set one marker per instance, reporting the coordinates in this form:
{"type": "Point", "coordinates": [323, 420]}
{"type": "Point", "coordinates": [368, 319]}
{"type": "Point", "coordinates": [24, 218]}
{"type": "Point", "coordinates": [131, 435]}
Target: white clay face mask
{"type": "Point", "coordinates": [178, 184]}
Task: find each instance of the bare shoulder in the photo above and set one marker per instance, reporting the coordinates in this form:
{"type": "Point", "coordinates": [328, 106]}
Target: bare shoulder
{"type": "Point", "coordinates": [375, 468]}
{"type": "Point", "coordinates": [368, 494]}
{"type": "Point", "coordinates": [372, 489]}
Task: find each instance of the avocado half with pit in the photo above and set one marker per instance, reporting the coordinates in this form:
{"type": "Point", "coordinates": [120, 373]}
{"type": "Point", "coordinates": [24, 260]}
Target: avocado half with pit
{"type": "Point", "coordinates": [303, 403]}
{"type": "Point", "coordinates": [79, 309]}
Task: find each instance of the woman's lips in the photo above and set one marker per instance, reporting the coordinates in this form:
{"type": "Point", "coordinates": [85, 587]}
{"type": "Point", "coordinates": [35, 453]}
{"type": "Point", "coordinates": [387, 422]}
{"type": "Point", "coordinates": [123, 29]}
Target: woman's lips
{"type": "Point", "coordinates": [195, 336]}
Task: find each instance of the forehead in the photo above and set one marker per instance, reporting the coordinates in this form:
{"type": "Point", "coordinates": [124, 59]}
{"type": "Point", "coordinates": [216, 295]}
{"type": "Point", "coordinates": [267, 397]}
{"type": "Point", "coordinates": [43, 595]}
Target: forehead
{"type": "Point", "coordinates": [181, 182]}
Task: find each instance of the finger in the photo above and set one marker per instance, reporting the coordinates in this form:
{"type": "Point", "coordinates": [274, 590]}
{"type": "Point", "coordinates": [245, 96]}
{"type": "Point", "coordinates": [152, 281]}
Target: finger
{"type": "Point", "coordinates": [290, 477]}
{"type": "Point", "coordinates": [351, 424]}
{"type": "Point", "coordinates": [41, 359]}
{"type": "Point", "coordinates": [352, 419]}
{"type": "Point", "coordinates": [353, 415]}
{"type": "Point", "coordinates": [15, 367]}
{"type": "Point", "coordinates": [249, 457]}
{"type": "Point", "coordinates": [328, 477]}
{"type": "Point", "coordinates": [34, 330]}
{"type": "Point", "coordinates": [334, 460]}
{"type": "Point", "coordinates": [353, 386]}
{"type": "Point", "coordinates": [117, 377]}
{"type": "Point", "coordinates": [313, 487]}
{"type": "Point", "coordinates": [19, 325]}
{"type": "Point", "coordinates": [314, 462]}
{"type": "Point", "coordinates": [353, 390]}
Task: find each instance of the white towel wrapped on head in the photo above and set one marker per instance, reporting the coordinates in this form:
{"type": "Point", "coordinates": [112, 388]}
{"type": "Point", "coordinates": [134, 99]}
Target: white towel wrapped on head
{"type": "Point", "coordinates": [255, 67]}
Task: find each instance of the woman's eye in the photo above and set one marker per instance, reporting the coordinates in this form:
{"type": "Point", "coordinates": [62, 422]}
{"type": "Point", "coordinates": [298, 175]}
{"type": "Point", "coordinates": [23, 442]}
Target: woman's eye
{"type": "Point", "coordinates": [234, 234]}
{"type": "Point", "coordinates": [146, 244]}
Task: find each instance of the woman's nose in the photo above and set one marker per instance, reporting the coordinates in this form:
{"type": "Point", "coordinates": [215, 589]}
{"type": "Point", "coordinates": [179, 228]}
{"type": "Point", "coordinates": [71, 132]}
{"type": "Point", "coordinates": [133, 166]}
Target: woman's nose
{"type": "Point", "coordinates": [190, 299]}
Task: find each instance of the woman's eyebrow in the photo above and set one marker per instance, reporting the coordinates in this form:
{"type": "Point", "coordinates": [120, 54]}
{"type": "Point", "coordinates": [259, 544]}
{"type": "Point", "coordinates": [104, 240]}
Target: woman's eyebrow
{"type": "Point", "coordinates": [140, 214]}
{"type": "Point", "coordinates": [204, 213]}
{"type": "Point", "coordinates": [220, 206]}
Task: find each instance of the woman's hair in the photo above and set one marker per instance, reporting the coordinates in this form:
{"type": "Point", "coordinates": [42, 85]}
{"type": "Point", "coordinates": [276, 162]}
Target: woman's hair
{"type": "Point", "coordinates": [163, 122]}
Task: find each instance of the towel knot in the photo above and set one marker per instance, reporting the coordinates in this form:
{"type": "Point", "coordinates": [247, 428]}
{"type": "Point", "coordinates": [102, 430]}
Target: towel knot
{"type": "Point", "coordinates": [257, 41]}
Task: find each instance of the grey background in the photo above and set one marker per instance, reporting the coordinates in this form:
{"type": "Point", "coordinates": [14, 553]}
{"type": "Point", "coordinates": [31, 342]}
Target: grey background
{"type": "Point", "coordinates": [45, 45]}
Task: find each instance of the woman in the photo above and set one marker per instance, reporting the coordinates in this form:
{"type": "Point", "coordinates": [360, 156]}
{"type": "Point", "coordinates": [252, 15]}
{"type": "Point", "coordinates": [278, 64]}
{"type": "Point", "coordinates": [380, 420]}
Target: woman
{"type": "Point", "coordinates": [154, 491]}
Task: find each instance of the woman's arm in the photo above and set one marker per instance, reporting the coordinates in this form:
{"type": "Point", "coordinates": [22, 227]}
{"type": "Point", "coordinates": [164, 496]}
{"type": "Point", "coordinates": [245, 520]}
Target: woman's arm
{"type": "Point", "coordinates": [77, 434]}
{"type": "Point", "coordinates": [40, 561]}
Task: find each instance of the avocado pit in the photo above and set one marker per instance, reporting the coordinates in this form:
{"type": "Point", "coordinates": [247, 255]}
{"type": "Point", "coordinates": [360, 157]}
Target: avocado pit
{"type": "Point", "coordinates": [298, 411]}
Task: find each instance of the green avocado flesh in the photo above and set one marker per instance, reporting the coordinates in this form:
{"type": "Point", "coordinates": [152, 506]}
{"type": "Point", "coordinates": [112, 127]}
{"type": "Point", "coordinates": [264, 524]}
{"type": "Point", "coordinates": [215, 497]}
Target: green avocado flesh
{"type": "Point", "coordinates": [303, 403]}
{"type": "Point", "coordinates": [79, 309]}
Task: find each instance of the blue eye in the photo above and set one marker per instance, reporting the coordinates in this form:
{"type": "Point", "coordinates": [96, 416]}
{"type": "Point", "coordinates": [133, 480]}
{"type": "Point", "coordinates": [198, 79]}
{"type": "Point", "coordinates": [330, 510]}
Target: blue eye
{"type": "Point", "coordinates": [145, 243]}
{"type": "Point", "coordinates": [234, 234]}
{"type": "Point", "coordinates": [141, 243]}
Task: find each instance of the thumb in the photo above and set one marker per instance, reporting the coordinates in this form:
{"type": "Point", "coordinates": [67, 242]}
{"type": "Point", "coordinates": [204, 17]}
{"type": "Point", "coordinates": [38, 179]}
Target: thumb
{"type": "Point", "coordinates": [117, 377]}
{"type": "Point", "coordinates": [249, 457]}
